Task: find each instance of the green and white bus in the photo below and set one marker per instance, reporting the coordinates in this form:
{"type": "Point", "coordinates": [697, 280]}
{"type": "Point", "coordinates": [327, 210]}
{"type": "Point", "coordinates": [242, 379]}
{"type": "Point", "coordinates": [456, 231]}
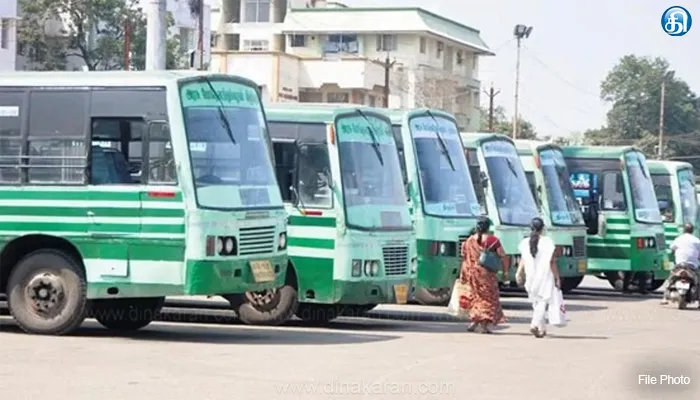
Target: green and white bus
{"type": "Point", "coordinates": [674, 185]}
{"type": "Point", "coordinates": [502, 190]}
{"type": "Point", "coordinates": [442, 195]}
{"type": "Point", "coordinates": [626, 243]}
{"type": "Point", "coordinates": [121, 188]}
{"type": "Point", "coordinates": [548, 178]}
{"type": "Point", "coordinates": [352, 244]}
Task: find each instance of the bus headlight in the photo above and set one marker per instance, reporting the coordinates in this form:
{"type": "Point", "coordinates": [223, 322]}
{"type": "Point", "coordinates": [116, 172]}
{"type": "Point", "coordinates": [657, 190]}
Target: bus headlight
{"type": "Point", "coordinates": [368, 268]}
{"type": "Point", "coordinates": [356, 268]}
{"type": "Point", "coordinates": [283, 241]}
{"type": "Point", "coordinates": [228, 245]}
{"type": "Point", "coordinates": [220, 245]}
{"type": "Point", "coordinates": [374, 268]}
{"type": "Point", "coordinates": [443, 249]}
{"type": "Point", "coordinates": [414, 265]}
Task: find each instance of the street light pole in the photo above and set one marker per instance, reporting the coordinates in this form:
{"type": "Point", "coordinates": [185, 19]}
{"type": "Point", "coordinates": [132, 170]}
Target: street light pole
{"type": "Point", "coordinates": [520, 32]}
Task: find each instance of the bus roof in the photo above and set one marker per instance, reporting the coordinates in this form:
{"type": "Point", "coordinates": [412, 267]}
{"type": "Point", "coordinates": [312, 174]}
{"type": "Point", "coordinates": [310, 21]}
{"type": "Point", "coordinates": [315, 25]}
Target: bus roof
{"type": "Point", "coordinates": [612, 152]}
{"type": "Point", "coordinates": [527, 147]}
{"type": "Point", "coordinates": [397, 115]}
{"type": "Point", "coordinates": [470, 139]}
{"type": "Point", "coordinates": [312, 112]}
{"type": "Point", "coordinates": [667, 167]}
{"type": "Point", "coordinates": [103, 78]}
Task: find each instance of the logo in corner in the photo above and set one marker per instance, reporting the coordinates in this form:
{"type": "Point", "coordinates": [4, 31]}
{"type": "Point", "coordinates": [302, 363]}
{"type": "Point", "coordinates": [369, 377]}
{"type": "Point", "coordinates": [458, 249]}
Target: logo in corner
{"type": "Point", "coordinates": [676, 21]}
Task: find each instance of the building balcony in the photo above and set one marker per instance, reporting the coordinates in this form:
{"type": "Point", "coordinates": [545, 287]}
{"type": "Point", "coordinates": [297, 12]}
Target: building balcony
{"type": "Point", "coordinates": [346, 73]}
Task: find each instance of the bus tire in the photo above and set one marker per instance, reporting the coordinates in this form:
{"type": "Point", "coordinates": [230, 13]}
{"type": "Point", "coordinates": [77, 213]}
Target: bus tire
{"type": "Point", "coordinates": [271, 307]}
{"type": "Point", "coordinates": [570, 283]}
{"type": "Point", "coordinates": [318, 313]}
{"type": "Point", "coordinates": [47, 293]}
{"type": "Point", "coordinates": [129, 314]}
{"type": "Point", "coordinates": [433, 297]}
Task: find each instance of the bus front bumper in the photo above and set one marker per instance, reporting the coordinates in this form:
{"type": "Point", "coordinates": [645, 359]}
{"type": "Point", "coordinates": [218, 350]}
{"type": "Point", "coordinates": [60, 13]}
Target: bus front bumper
{"type": "Point", "coordinates": [391, 290]}
{"type": "Point", "coordinates": [572, 267]}
{"type": "Point", "coordinates": [214, 277]}
{"type": "Point", "coordinates": [437, 272]}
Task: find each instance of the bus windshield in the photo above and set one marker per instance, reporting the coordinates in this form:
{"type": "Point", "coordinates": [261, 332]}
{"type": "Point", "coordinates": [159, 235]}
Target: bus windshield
{"type": "Point", "coordinates": [228, 145]}
{"type": "Point", "coordinates": [563, 207]}
{"type": "Point", "coordinates": [646, 208]}
{"type": "Point", "coordinates": [447, 187]}
{"type": "Point", "coordinates": [689, 204]}
{"type": "Point", "coordinates": [514, 200]}
{"type": "Point", "coordinates": [373, 188]}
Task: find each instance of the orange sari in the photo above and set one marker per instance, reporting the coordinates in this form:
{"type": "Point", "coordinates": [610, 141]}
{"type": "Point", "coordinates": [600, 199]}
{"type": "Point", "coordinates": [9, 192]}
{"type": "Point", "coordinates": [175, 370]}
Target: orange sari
{"type": "Point", "coordinates": [483, 294]}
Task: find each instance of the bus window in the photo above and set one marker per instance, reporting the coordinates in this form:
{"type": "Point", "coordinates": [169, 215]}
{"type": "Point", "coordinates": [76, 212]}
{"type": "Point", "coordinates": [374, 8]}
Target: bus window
{"type": "Point", "coordinates": [285, 162]}
{"type": "Point", "coordinates": [613, 192]}
{"type": "Point", "coordinates": [530, 176]}
{"type": "Point", "coordinates": [314, 172]}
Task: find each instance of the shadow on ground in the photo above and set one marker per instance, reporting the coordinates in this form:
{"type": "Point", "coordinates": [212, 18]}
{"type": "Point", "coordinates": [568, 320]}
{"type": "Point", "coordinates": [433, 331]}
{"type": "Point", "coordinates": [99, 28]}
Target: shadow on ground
{"type": "Point", "coordinates": [197, 333]}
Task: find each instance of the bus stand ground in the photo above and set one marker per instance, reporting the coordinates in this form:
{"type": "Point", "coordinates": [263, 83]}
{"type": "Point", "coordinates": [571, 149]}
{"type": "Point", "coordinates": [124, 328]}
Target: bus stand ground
{"type": "Point", "coordinates": [612, 348]}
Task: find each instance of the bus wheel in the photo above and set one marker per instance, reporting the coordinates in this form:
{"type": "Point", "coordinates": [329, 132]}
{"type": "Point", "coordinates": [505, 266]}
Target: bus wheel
{"type": "Point", "coordinates": [128, 314]}
{"type": "Point", "coordinates": [656, 284]}
{"type": "Point", "coordinates": [433, 297]}
{"type": "Point", "coordinates": [356, 310]}
{"type": "Point", "coordinates": [318, 313]}
{"type": "Point", "coordinates": [267, 307]}
{"type": "Point", "coordinates": [47, 293]}
{"type": "Point", "coordinates": [569, 284]}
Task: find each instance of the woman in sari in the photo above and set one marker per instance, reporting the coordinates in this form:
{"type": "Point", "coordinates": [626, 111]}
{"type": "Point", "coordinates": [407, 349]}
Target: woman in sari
{"type": "Point", "coordinates": [483, 297]}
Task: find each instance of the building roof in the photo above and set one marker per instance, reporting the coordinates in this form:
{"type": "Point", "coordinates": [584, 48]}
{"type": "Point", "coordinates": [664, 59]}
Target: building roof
{"type": "Point", "coordinates": [384, 20]}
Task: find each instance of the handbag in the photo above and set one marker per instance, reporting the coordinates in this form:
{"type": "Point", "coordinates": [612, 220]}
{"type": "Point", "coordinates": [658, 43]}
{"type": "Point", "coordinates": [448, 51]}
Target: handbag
{"type": "Point", "coordinates": [557, 310]}
{"type": "Point", "coordinates": [489, 259]}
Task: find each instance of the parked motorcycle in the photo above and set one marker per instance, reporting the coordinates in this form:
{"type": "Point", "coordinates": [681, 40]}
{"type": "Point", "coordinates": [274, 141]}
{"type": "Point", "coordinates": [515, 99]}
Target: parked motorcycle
{"type": "Point", "coordinates": [682, 286]}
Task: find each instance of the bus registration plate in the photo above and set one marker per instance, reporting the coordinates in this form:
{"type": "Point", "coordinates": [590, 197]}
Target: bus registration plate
{"type": "Point", "coordinates": [262, 271]}
{"type": "Point", "coordinates": [401, 293]}
{"type": "Point", "coordinates": [581, 267]}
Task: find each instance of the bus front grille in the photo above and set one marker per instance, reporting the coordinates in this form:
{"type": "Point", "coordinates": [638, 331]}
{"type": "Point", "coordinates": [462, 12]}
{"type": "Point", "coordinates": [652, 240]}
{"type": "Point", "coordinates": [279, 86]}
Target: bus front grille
{"type": "Point", "coordinates": [462, 239]}
{"type": "Point", "coordinates": [661, 241]}
{"type": "Point", "coordinates": [580, 246]}
{"type": "Point", "coordinates": [395, 260]}
{"type": "Point", "coordinates": [256, 240]}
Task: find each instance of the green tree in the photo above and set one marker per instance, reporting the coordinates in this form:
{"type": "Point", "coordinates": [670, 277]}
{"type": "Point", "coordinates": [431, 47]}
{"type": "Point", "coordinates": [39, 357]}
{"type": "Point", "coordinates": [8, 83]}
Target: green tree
{"type": "Point", "coordinates": [633, 88]}
{"type": "Point", "coordinates": [503, 124]}
{"type": "Point", "coordinates": [93, 31]}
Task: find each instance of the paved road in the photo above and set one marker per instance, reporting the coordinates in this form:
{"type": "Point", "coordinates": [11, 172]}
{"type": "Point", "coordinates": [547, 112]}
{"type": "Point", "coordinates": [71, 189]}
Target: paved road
{"type": "Point", "coordinates": [410, 352]}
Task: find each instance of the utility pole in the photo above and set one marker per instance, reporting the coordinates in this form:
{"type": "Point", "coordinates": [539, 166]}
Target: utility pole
{"type": "Point", "coordinates": [155, 35]}
{"type": "Point", "coordinates": [200, 44]}
{"type": "Point", "coordinates": [388, 65]}
{"type": "Point", "coordinates": [492, 94]}
{"type": "Point", "coordinates": [662, 106]}
{"type": "Point", "coordinates": [520, 32]}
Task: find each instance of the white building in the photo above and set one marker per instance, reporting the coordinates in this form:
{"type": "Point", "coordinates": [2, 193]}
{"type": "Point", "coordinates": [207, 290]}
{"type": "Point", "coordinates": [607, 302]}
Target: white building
{"type": "Point", "coordinates": [8, 34]}
{"type": "Point", "coordinates": [326, 52]}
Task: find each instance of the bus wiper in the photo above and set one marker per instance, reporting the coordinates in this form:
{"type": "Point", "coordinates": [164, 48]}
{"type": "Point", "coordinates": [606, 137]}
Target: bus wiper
{"type": "Point", "coordinates": [222, 115]}
{"type": "Point", "coordinates": [511, 167]}
{"type": "Point", "coordinates": [642, 168]}
{"type": "Point", "coordinates": [375, 142]}
{"type": "Point", "coordinates": [445, 152]}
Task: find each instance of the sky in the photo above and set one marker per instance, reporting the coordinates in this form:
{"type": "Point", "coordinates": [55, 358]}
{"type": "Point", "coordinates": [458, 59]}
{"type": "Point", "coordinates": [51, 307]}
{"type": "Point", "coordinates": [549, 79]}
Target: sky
{"type": "Point", "coordinates": [573, 45]}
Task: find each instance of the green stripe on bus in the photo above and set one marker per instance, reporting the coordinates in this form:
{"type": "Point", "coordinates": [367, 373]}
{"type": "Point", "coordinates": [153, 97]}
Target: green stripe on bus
{"type": "Point", "coordinates": [313, 243]}
{"type": "Point", "coordinates": [138, 249]}
{"type": "Point", "coordinates": [613, 220]}
{"type": "Point", "coordinates": [594, 240]}
{"type": "Point", "coordinates": [93, 228]}
{"type": "Point", "coordinates": [62, 194]}
{"type": "Point", "coordinates": [98, 211]}
{"type": "Point", "coordinates": [311, 221]}
{"type": "Point", "coordinates": [617, 231]}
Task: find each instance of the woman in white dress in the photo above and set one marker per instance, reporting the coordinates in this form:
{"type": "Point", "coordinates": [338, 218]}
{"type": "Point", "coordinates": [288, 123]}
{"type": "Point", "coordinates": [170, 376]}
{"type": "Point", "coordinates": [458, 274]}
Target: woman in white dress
{"type": "Point", "coordinates": [541, 275]}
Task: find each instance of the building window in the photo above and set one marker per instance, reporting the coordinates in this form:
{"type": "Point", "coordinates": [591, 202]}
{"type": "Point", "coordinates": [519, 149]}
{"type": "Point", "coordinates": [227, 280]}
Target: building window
{"type": "Point", "coordinates": [257, 11]}
{"type": "Point", "coordinates": [337, 97]}
{"type": "Point", "coordinates": [310, 97]}
{"type": "Point", "coordinates": [475, 62]}
{"type": "Point", "coordinates": [422, 45]}
{"type": "Point", "coordinates": [460, 58]}
{"type": "Point", "coordinates": [4, 33]}
{"type": "Point", "coordinates": [386, 43]}
{"type": "Point", "coordinates": [298, 40]}
{"type": "Point", "coordinates": [440, 49]}
{"type": "Point", "coordinates": [341, 44]}
{"type": "Point", "coordinates": [256, 45]}
{"type": "Point", "coordinates": [372, 101]}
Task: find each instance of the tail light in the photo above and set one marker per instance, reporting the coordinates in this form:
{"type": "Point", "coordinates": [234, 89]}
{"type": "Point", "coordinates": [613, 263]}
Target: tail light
{"type": "Point", "coordinates": [646, 242]}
